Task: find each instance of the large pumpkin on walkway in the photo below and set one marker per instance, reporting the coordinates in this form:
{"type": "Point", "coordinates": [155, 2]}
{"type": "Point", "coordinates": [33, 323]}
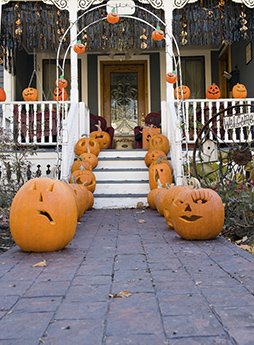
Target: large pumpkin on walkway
{"type": "Point", "coordinates": [198, 214]}
{"type": "Point", "coordinates": [43, 215]}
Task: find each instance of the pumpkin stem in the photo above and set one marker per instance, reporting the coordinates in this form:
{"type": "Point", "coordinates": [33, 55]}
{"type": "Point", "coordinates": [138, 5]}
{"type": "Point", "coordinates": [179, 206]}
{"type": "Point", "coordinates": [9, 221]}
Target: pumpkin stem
{"type": "Point", "coordinates": [99, 126]}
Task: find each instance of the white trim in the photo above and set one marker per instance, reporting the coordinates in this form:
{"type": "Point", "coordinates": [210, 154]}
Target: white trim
{"type": "Point", "coordinates": [121, 58]}
{"type": "Point", "coordinates": [9, 85]}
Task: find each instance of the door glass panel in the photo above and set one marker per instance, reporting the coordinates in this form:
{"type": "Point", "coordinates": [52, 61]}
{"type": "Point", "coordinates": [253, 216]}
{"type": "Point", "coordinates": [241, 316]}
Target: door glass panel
{"type": "Point", "coordinates": [124, 102]}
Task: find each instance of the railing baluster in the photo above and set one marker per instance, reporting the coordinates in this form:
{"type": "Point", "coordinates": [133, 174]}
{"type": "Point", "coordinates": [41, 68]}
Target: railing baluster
{"type": "Point", "coordinates": [34, 112]}
{"type": "Point", "coordinates": [50, 123]}
{"type": "Point", "coordinates": [42, 126]}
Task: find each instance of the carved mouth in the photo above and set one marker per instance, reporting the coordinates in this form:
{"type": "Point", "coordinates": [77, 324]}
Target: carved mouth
{"type": "Point", "coordinates": [47, 215]}
{"type": "Point", "coordinates": [192, 218]}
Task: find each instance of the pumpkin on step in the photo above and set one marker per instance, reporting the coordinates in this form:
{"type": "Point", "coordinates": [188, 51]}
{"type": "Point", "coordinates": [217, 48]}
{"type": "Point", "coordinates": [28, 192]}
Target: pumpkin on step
{"type": "Point", "coordinates": [162, 172]}
{"type": "Point", "coordinates": [102, 137]}
{"type": "Point", "coordinates": [43, 215]}
{"type": "Point", "coordinates": [30, 94]}
{"type": "Point", "coordinates": [85, 177]}
{"type": "Point", "coordinates": [80, 164]}
{"type": "Point", "coordinates": [89, 157]}
{"type": "Point", "coordinates": [153, 155]}
{"type": "Point", "coordinates": [159, 142]}
{"type": "Point", "coordinates": [85, 144]}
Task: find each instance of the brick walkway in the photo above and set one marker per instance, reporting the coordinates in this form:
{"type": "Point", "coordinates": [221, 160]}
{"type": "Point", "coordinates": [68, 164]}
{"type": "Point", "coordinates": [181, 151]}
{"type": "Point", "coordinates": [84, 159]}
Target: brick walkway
{"type": "Point", "coordinates": [182, 293]}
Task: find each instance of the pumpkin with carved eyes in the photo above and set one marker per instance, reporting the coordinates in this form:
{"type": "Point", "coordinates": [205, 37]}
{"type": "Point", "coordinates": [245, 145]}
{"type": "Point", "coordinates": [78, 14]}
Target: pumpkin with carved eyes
{"type": "Point", "coordinates": [2, 95]}
{"type": "Point", "coordinates": [102, 137]}
{"type": "Point", "coordinates": [113, 18]}
{"type": "Point", "coordinates": [198, 214]}
{"type": "Point", "coordinates": [30, 94]}
{"type": "Point", "coordinates": [89, 157]}
{"type": "Point", "coordinates": [171, 77]}
{"type": "Point", "coordinates": [85, 177]}
{"type": "Point", "coordinates": [239, 91]}
{"type": "Point", "coordinates": [157, 35]}
{"type": "Point", "coordinates": [89, 145]}
{"type": "Point", "coordinates": [153, 155]}
{"type": "Point", "coordinates": [162, 172]}
{"type": "Point", "coordinates": [159, 142]}
{"type": "Point", "coordinates": [43, 215]}
{"type": "Point", "coordinates": [60, 94]}
{"type": "Point", "coordinates": [61, 83]}
{"type": "Point", "coordinates": [213, 92]}
{"type": "Point", "coordinates": [79, 48]}
{"type": "Point", "coordinates": [182, 92]}
{"type": "Point", "coordinates": [80, 164]}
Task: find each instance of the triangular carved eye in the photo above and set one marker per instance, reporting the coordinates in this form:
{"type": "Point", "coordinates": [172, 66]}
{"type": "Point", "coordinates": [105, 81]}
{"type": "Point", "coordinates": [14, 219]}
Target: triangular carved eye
{"type": "Point", "coordinates": [51, 188]}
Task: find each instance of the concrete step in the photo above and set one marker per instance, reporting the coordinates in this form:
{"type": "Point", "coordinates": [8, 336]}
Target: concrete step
{"type": "Point", "coordinates": [121, 174]}
{"type": "Point", "coordinates": [121, 187]}
{"type": "Point", "coordinates": [118, 201]}
{"type": "Point", "coordinates": [122, 153]}
{"type": "Point", "coordinates": [118, 163]}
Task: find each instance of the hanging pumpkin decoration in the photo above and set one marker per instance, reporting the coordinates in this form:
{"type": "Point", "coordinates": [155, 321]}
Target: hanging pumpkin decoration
{"type": "Point", "coordinates": [153, 155]}
{"type": "Point", "coordinates": [102, 137]}
{"type": "Point", "coordinates": [159, 142]}
{"type": "Point", "coordinates": [43, 215]}
{"type": "Point", "coordinates": [79, 48]}
{"type": "Point", "coordinates": [182, 92]}
{"type": "Point", "coordinates": [198, 214]}
{"type": "Point", "coordinates": [87, 145]}
{"type": "Point", "coordinates": [171, 77]}
{"type": "Point", "coordinates": [89, 157]}
{"type": "Point", "coordinates": [61, 83]}
{"type": "Point", "coordinates": [2, 95]}
{"type": "Point", "coordinates": [160, 171]}
{"type": "Point", "coordinates": [85, 177]}
{"type": "Point", "coordinates": [30, 94]}
{"type": "Point", "coordinates": [60, 94]}
{"type": "Point", "coordinates": [158, 34]}
{"type": "Point", "coordinates": [239, 91]}
{"type": "Point", "coordinates": [113, 17]}
{"type": "Point", "coordinates": [80, 164]}
{"type": "Point", "coordinates": [213, 92]}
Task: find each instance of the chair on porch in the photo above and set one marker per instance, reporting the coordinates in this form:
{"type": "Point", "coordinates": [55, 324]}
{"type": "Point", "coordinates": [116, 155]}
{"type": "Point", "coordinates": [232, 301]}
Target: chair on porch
{"type": "Point", "coordinates": [151, 119]}
{"type": "Point", "coordinates": [94, 120]}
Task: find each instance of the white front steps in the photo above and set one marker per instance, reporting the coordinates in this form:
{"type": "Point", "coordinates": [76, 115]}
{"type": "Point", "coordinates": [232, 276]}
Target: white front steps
{"type": "Point", "coordinates": [121, 179]}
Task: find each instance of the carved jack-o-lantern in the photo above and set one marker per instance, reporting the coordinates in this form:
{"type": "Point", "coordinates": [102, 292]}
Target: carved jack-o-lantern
{"type": "Point", "coordinates": [239, 91]}
{"type": "Point", "coordinates": [85, 177]}
{"type": "Point", "coordinates": [79, 48]}
{"type": "Point", "coordinates": [60, 94]}
{"type": "Point", "coordinates": [89, 157]}
{"type": "Point", "coordinates": [198, 214]}
{"type": "Point", "coordinates": [213, 92]}
{"type": "Point", "coordinates": [113, 18]}
{"type": "Point", "coordinates": [87, 145]}
{"type": "Point", "coordinates": [61, 83]}
{"type": "Point", "coordinates": [159, 142]}
{"type": "Point", "coordinates": [102, 137]}
{"type": "Point", "coordinates": [79, 164]}
{"type": "Point", "coordinates": [171, 77]}
{"type": "Point", "coordinates": [152, 155]}
{"type": "Point", "coordinates": [160, 171]}
{"type": "Point", "coordinates": [157, 35]}
{"type": "Point", "coordinates": [182, 92]}
{"type": "Point", "coordinates": [30, 94]}
{"type": "Point", "coordinates": [43, 215]}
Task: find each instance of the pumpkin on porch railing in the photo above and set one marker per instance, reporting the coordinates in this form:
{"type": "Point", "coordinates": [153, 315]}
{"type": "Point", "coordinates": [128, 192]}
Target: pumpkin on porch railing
{"type": "Point", "coordinates": [171, 77]}
{"type": "Point", "coordinates": [113, 18]}
{"type": "Point", "coordinates": [182, 92]}
{"type": "Point", "coordinates": [61, 82]}
{"type": "Point", "coordinates": [2, 95]}
{"type": "Point", "coordinates": [79, 48]}
{"type": "Point", "coordinates": [239, 91]}
{"type": "Point", "coordinates": [60, 94]}
{"type": "Point", "coordinates": [30, 94]}
{"type": "Point", "coordinates": [213, 92]}
{"type": "Point", "coordinates": [102, 137]}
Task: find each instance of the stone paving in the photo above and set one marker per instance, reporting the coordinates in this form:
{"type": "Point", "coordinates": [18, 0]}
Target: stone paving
{"type": "Point", "coordinates": [182, 293]}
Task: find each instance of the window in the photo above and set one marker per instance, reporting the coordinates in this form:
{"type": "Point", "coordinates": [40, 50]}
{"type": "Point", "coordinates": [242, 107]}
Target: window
{"type": "Point", "coordinates": [193, 72]}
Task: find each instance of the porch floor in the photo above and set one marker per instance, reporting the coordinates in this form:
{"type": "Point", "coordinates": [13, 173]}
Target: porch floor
{"type": "Point", "coordinates": [182, 293]}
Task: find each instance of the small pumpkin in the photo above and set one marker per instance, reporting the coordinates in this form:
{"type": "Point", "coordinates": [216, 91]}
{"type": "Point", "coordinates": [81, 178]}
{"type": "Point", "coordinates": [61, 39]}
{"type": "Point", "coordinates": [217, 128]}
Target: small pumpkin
{"type": "Point", "coordinates": [159, 142]}
{"type": "Point", "coordinates": [79, 48]}
{"type": "Point", "coordinates": [85, 177]}
{"type": "Point", "coordinates": [61, 83]}
{"type": "Point", "coordinates": [239, 91]}
{"type": "Point", "coordinates": [102, 137]}
{"type": "Point", "coordinates": [182, 92]}
{"type": "Point", "coordinates": [151, 197]}
{"type": "Point", "coordinates": [43, 215]}
{"type": "Point", "coordinates": [198, 214]}
{"type": "Point", "coordinates": [60, 94]}
{"type": "Point", "coordinates": [213, 92]}
{"type": "Point", "coordinates": [159, 200]}
{"type": "Point", "coordinates": [158, 35]}
{"type": "Point", "coordinates": [152, 155]}
{"type": "Point", "coordinates": [160, 172]}
{"type": "Point", "coordinates": [30, 94]}
{"type": "Point", "coordinates": [2, 95]}
{"type": "Point", "coordinates": [87, 145]}
{"type": "Point", "coordinates": [171, 77]}
{"type": "Point", "coordinates": [88, 196]}
{"type": "Point", "coordinates": [89, 157]}
{"type": "Point", "coordinates": [113, 18]}
{"type": "Point", "coordinates": [80, 200]}
{"type": "Point", "coordinates": [80, 164]}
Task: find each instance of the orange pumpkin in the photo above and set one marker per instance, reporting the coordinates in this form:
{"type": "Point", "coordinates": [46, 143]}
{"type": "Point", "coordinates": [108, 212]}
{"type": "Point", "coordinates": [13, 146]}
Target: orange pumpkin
{"type": "Point", "coordinates": [159, 200]}
{"type": "Point", "coordinates": [152, 155]}
{"type": "Point", "coordinates": [151, 197]}
{"type": "Point", "coordinates": [213, 92]}
{"type": "Point", "coordinates": [79, 164]}
{"type": "Point", "coordinates": [182, 92]}
{"type": "Point", "coordinates": [160, 171]}
{"type": "Point", "coordinates": [171, 77]}
{"type": "Point", "coordinates": [239, 91]}
{"type": "Point", "coordinates": [89, 157]}
{"type": "Point", "coordinates": [158, 35]}
{"type": "Point", "coordinates": [79, 48]}
{"type": "Point", "coordinates": [85, 177]}
{"type": "Point", "coordinates": [102, 137]}
{"type": "Point", "coordinates": [88, 196]}
{"type": "Point", "coordinates": [87, 145]}
{"type": "Point", "coordinates": [30, 94]}
{"type": "Point", "coordinates": [113, 18]}
{"type": "Point", "coordinates": [60, 94]}
{"type": "Point", "coordinates": [80, 200]}
{"type": "Point", "coordinates": [2, 95]}
{"type": "Point", "coordinates": [43, 215]}
{"type": "Point", "coordinates": [61, 83]}
{"type": "Point", "coordinates": [159, 142]}
{"type": "Point", "coordinates": [198, 214]}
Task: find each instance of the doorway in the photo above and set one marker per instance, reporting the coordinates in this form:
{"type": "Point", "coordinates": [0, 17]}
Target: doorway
{"type": "Point", "coordinates": [124, 95]}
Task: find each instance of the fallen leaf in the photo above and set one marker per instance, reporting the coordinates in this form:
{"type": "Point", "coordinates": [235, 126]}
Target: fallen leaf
{"type": "Point", "coordinates": [246, 247]}
{"type": "Point", "coordinates": [141, 221]}
{"type": "Point", "coordinates": [42, 263]}
{"type": "Point", "coordinates": [66, 327]}
{"type": "Point", "coordinates": [121, 294]}
{"type": "Point", "coordinates": [140, 204]}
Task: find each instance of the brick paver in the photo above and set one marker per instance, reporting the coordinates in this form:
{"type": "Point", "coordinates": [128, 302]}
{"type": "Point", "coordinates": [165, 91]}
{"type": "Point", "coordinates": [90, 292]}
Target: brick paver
{"type": "Point", "coordinates": [182, 293]}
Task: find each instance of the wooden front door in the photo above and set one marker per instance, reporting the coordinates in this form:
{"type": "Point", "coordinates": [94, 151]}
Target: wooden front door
{"type": "Point", "coordinates": [124, 95]}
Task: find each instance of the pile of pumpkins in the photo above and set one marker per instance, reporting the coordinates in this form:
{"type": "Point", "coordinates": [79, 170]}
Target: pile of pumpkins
{"type": "Point", "coordinates": [44, 212]}
{"type": "Point", "coordinates": [194, 213]}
